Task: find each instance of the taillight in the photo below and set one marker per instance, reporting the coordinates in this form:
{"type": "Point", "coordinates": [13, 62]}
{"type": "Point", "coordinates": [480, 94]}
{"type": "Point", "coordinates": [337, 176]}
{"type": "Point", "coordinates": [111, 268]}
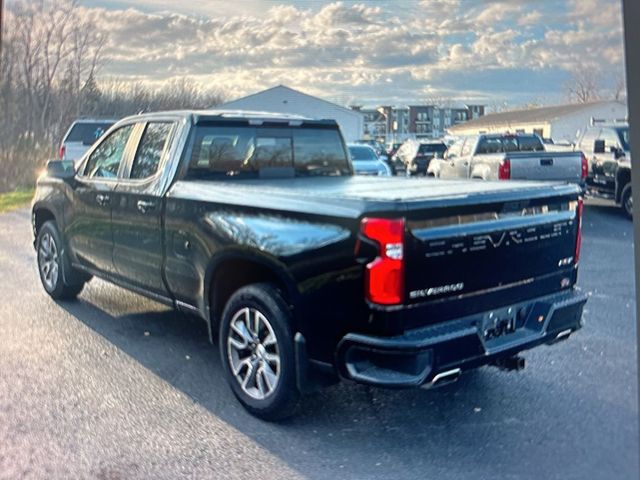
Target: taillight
{"type": "Point", "coordinates": [384, 277]}
{"type": "Point", "coordinates": [62, 152]}
{"type": "Point", "coordinates": [585, 167]}
{"type": "Point", "coordinates": [504, 170]}
{"type": "Point", "coordinates": [576, 256]}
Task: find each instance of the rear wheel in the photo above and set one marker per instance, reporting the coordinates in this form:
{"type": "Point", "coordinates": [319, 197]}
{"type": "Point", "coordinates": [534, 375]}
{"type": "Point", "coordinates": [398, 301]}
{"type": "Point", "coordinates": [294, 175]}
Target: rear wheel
{"type": "Point", "coordinates": [51, 265]}
{"type": "Point", "coordinates": [257, 351]}
{"type": "Point", "coordinates": [626, 201]}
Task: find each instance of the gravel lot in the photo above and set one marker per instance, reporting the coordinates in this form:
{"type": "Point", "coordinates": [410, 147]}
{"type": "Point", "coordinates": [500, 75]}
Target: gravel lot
{"type": "Point", "coordinates": [114, 386]}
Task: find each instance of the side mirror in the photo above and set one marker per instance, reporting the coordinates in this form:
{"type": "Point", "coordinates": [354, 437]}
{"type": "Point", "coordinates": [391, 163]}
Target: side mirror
{"type": "Point", "coordinates": [63, 169]}
{"type": "Point", "coordinates": [617, 152]}
{"type": "Point", "coordinates": [598, 146]}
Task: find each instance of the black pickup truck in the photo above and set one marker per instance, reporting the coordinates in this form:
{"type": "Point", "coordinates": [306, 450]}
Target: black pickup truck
{"type": "Point", "coordinates": [303, 272]}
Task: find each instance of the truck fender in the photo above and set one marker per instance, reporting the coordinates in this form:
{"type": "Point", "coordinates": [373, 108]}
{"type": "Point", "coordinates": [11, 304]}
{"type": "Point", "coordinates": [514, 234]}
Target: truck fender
{"type": "Point", "coordinates": [480, 171]}
{"type": "Point", "coordinates": [253, 267]}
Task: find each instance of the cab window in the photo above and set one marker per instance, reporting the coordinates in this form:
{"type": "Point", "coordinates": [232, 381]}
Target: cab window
{"type": "Point", "coordinates": [489, 145]}
{"type": "Point", "coordinates": [455, 148]}
{"type": "Point", "coordinates": [155, 140]}
{"type": "Point", "coordinates": [105, 160]}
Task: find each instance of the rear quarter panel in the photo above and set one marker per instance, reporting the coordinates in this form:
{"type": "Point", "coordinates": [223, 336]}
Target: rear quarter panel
{"type": "Point", "coordinates": [485, 166]}
{"type": "Point", "coordinates": [311, 254]}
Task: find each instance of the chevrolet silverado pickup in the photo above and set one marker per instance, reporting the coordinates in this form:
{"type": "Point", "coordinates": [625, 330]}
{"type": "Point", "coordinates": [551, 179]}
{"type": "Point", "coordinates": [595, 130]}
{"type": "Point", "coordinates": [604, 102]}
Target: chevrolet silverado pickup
{"type": "Point", "coordinates": [609, 157]}
{"type": "Point", "coordinates": [509, 157]}
{"type": "Point", "coordinates": [303, 272]}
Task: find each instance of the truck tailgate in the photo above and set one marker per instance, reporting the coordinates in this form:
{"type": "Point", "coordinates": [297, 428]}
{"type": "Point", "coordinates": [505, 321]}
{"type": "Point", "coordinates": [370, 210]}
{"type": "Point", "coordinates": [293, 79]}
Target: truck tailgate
{"type": "Point", "coordinates": [560, 166]}
{"type": "Point", "coordinates": [490, 248]}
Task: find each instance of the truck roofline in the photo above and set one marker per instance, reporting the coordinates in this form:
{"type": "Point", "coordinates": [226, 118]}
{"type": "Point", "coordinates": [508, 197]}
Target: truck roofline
{"type": "Point", "coordinates": [222, 115]}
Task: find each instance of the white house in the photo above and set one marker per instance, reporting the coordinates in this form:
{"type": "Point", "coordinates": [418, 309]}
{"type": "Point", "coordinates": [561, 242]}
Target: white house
{"type": "Point", "coordinates": [559, 122]}
{"type": "Point", "coordinates": [282, 99]}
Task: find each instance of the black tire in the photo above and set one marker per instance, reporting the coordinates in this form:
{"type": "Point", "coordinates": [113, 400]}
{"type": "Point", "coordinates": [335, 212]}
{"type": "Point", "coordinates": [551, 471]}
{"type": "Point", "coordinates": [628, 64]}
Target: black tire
{"type": "Point", "coordinates": [281, 400]}
{"type": "Point", "coordinates": [50, 251]}
{"type": "Point", "coordinates": [626, 201]}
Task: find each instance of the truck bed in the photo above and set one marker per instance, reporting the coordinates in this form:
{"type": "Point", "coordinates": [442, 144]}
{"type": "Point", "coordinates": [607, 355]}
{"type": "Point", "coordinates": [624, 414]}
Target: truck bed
{"type": "Point", "coordinates": [354, 196]}
{"type": "Point", "coordinates": [462, 238]}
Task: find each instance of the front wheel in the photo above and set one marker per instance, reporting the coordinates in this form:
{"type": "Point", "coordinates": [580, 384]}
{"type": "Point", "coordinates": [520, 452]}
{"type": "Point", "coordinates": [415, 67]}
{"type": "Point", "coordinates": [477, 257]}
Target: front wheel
{"type": "Point", "coordinates": [626, 201]}
{"type": "Point", "coordinates": [256, 346]}
{"type": "Point", "coordinates": [51, 265]}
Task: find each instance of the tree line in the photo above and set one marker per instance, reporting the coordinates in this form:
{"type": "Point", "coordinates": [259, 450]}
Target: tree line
{"type": "Point", "coordinates": [50, 66]}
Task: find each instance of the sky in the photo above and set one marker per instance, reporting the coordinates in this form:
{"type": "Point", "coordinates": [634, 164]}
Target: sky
{"type": "Point", "coordinates": [366, 53]}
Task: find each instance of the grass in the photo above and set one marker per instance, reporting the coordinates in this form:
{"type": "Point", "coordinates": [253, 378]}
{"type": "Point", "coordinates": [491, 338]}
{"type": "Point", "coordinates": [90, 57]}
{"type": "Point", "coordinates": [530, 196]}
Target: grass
{"type": "Point", "coordinates": [16, 199]}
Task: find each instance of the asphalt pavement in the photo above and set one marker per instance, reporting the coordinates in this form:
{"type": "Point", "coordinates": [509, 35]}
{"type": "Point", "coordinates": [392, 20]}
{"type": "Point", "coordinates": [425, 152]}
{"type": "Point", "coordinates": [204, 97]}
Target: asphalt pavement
{"type": "Point", "coordinates": [114, 386]}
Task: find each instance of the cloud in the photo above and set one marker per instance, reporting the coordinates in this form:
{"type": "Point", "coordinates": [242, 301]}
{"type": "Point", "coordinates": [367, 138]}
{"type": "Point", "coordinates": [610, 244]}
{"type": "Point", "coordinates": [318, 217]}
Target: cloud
{"type": "Point", "coordinates": [384, 51]}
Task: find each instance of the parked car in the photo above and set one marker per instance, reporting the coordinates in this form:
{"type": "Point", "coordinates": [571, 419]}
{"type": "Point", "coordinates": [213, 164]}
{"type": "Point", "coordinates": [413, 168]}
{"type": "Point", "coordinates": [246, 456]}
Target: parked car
{"type": "Point", "coordinates": [304, 273]}
{"type": "Point", "coordinates": [609, 173]}
{"type": "Point", "coordinates": [81, 135]}
{"type": "Point", "coordinates": [509, 157]}
{"type": "Point", "coordinates": [415, 156]}
{"type": "Point", "coordinates": [392, 148]}
{"type": "Point", "coordinates": [366, 162]}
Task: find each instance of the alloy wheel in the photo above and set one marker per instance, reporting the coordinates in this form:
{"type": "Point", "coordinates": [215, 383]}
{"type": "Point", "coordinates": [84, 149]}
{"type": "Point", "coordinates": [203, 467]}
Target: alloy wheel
{"type": "Point", "coordinates": [254, 356]}
{"type": "Point", "coordinates": [48, 261]}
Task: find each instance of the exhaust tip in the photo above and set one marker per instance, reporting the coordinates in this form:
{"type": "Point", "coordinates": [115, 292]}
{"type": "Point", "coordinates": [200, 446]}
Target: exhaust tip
{"type": "Point", "coordinates": [563, 335]}
{"type": "Point", "coordinates": [444, 378]}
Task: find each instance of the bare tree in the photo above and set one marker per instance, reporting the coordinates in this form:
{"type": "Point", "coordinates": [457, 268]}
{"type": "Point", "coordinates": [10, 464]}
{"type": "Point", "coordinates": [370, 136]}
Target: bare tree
{"type": "Point", "coordinates": [620, 88]}
{"type": "Point", "coordinates": [49, 75]}
{"type": "Point", "coordinates": [584, 85]}
{"type": "Point", "coordinates": [50, 53]}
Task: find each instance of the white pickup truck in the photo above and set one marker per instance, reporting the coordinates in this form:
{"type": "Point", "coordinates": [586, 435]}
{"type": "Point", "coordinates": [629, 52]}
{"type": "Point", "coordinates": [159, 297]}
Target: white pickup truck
{"type": "Point", "coordinates": [506, 157]}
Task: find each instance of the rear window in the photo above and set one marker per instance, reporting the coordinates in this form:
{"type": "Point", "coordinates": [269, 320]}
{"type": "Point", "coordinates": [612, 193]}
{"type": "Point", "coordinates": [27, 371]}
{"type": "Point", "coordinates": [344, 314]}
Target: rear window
{"type": "Point", "coordinates": [432, 148]}
{"type": "Point", "coordinates": [530, 144]}
{"type": "Point", "coordinates": [519, 143]}
{"type": "Point", "coordinates": [87, 132]}
{"type": "Point", "coordinates": [247, 151]}
{"type": "Point", "coordinates": [359, 154]}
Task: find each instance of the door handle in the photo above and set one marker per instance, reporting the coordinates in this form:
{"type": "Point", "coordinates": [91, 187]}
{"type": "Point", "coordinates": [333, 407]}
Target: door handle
{"type": "Point", "coordinates": [102, 199]}
{"type": "Point", "coordinates": [465, 164]}
{"type": "Point", "coordinates": [144, 205]}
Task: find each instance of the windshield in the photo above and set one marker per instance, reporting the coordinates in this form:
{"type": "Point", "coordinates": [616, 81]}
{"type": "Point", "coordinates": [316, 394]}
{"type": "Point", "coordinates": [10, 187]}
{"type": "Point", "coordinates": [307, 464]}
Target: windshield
{"type": "Point", "coordinates": [623, 133]}
{"type": "Point", "coordinates": [87, 132]}
{"type": "Point", "coordinates": [247, 151]}
{"type": "Point", "coordinates": [360, 154]}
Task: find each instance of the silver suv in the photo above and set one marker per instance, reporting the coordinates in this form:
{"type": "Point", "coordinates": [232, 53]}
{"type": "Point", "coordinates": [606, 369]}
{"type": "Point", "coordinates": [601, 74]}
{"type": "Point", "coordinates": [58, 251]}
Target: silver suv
{"type": "Point", "coordinates": [81, 135]}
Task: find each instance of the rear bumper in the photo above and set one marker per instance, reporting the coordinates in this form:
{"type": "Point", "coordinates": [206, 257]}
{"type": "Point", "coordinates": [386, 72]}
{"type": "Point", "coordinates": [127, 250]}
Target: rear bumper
{"type": "Point", "coordinates": [422, 356]}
